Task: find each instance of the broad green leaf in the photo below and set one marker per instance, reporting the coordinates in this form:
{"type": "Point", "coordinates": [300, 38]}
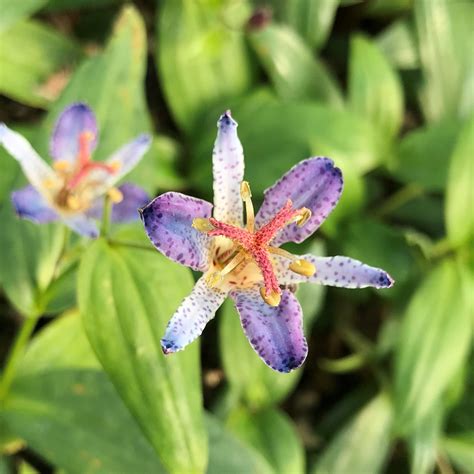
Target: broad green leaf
{"type": "Point", "coordinates": [111, 83]}
{"type": "Point", "coordinates": [126, 298]}
{"type": "Point", "coordinates": [312, 19]}
{"type": "Point", "coordinates": [398, 44]}
{"type": "Point", "coordinates": [58, 5]}
{"type": "Point", "coordinates": [277, 135]}
{"type": "Point", "coordinates": [249, 377]}
{"type": "Point", "coordinates": [14, 11]}
{"type": "Point", "coordinates": [67, 410]}
{"type": "Point", "coordinates": [165, 153]}
{"type": "Point", "coordinates": [460, 449]}
{"type": "Point", "coordinates": [362, 445]}
{"type": "Point", "coordinates": [423, 442]}
{"type": "Point", "coordinates": [459, 209]}
{"type": "Point", "coordinates": [389, 7]}
{"type": "Point", "coordinates": [35, 61]}
{"type": "Point", "coordinates": [201, 61]}
{"type": "Point", "coordinates": [422, 156]}
{"type": "Point", "coordinates": [272, 434]}
{"type": "Point", "coordinates": [295, 73]}
{"type": "Point", "coordinates": [444, 30]}
{"type": "Point", "coordinates": [375, 90]}
{"type": "Point", "coordinates": [26, 468]}
{"type": "Point", "coordinates": [4, 465]}
{"type": "Point", "coordinates": [434, 340]}
{"type": "Point", "coordinates": [229, 455]}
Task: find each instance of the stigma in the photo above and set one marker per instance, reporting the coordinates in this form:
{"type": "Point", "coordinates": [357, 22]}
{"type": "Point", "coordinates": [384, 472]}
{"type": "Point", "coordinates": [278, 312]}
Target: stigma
{"type": "Point", "coordinates": [251, 245]}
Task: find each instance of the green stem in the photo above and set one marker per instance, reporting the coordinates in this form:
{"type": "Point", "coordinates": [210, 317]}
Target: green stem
{"type": "Point", "coordinates": [105, 227]}
{"type": "Point", "coordinates": [15, 354]}
{"type": "Point", "coordinates": [135, 245]}
{"type": "Point", "coordinates": [398, 199]}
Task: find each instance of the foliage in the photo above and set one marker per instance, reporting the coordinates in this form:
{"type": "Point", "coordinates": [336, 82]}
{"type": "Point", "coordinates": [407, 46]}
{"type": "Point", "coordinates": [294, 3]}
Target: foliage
{"type": "Point", "coordinates": [385, 88]}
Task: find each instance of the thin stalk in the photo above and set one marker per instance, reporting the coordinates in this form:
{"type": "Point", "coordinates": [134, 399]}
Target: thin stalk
{"type": "Point", "coordinates": [15, 355]}
{"type": "Point", "coordinates": [398, 199]}
{"type": "Point", "coordinates": [105, 227]}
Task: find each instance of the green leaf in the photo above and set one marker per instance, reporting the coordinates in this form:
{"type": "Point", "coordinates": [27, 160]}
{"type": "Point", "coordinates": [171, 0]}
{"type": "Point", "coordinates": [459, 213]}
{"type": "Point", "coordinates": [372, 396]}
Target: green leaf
{"type": "Point", "coordinates": [444, 30]}
{"type": "Point", "coordinates": [4, 465]}
{"type": "Point", "coordinates": [312, 19]}
{"type": "Point", "coordinates": [434, 341]}
{"type": "Point", "coordinates": [375, 90]}
{"type": "Point", "coordinates": [389, 7]}
{"type": "Point", "coordinates": [460, 190]}
{"type": "Point", "coordinates": [277, 135]}
{"type": "Point", "coordinates": [35, 61]}
{"type": "Point", "coordinates": [204, 60]}
{"type": "Point", "coordinates": [229, 455]}
{"type": "Point", "coordinates": [126, 298]}
{"type": "Point", "coordinates": [460, 449]}
{"type": "Point", "coordinates": [13, 11]}
{"type": "Point", "coordinates": [59, 5]}
{"type": "Point", "coordinates": [398, 44]}
{"type": "Point", "coordinates": [422, 156]}
{"type": "Point", "coordinates": [362, 445]}
{"type": "Point", "coordinates": [67, 410]}
{"type": "Point", "coordinates": [111, 83]}
{"type": "Point", "coordinates": [295, 73]}
{"type": "Point", "coordinates": [272, 433]}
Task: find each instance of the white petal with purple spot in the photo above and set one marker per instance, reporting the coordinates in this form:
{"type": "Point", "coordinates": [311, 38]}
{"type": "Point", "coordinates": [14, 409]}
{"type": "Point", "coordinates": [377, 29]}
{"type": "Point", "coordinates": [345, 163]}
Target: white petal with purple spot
{"type": "Point", "coordinates": [314, 183]}
{"type": "Point", "coordinates": [228, 171]}
{"type": "Point", "coordinates": [337, 271]}
{"type": "Point", "coordinates": [168, 223]}
{"type": "Point", "coordinates": [192, 316]}
{"type": "Point", "coordinates": [275, 333]}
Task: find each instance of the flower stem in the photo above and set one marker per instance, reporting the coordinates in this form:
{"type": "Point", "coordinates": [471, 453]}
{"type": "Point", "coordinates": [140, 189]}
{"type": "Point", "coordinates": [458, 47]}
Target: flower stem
{"type": "Point", "coordinates": [105, 227]}
{"type": "Point", "coordinates": [15, 354]}
{"type": "Point", "coordinates": [398, 199]}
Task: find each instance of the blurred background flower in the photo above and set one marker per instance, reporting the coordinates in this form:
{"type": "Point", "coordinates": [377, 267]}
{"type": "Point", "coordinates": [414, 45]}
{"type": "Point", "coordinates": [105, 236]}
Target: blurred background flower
{"type": "Point", "coordinates": [383, 87]}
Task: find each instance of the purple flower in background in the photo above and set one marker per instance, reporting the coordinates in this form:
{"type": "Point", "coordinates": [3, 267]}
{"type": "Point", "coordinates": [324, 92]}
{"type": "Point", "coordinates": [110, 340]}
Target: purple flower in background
{"type": "Point", "coordinates": [246, 261]}
{"type": "Point", "coordinates": [73, 190]}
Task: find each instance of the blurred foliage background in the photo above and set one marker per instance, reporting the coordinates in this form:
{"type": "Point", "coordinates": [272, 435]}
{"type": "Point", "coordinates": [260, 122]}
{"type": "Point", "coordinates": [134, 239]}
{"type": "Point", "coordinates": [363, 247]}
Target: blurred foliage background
{"type": "Point", "coordinates": [383, 87]}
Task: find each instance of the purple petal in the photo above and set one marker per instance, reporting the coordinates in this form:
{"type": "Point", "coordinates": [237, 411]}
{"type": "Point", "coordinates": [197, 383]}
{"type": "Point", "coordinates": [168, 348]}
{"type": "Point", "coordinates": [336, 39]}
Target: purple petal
{"type": "Point", "coordinates": [338, 271]}
{"type": "Point", "coordinates": [126, 210]}
{"type": "Point", "coordinates": [75, 119]}
{"type": "Point", "coordinates": [275, 333]}
{"type": "Point", "coordinates": [192, 316]}
{"type": "Point", "coordinates": [82, 224]}
{"type": "Point", "coordinates": [314, 183]}
{"type": "Point", "coordinates": [168, 223]}
{"type": "Point", "coordinates": [29, 204]}
{"type": "Point", "coordinates": [34, 168]}
{"type": "Point", "coordinates": [228, 171]}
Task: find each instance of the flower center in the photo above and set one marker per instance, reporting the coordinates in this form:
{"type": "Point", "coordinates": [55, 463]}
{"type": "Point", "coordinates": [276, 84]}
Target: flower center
{"type": "Point", "coordinates": [72, 195]}
{"type": "Point", "coordinates": [254, 245]}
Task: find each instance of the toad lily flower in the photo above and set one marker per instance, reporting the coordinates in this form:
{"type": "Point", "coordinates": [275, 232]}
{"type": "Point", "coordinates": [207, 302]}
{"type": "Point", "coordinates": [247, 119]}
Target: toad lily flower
{"type": "Point", "coordinates": [246, 261]}
{"type": "Point", "coordinates": [72, 192]}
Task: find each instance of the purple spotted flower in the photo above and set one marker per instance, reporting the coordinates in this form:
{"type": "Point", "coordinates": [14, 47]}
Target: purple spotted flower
{"type": "Point", "coordinates": [245, 261]}
{"type": "Point", "coordinates": [73, 189]}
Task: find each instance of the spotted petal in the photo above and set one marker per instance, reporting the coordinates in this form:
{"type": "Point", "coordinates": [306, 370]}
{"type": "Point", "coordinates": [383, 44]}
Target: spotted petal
{"type": "Point", "coordinates": [228, 171]}
{"type": "Point", "coordinates": [192, 316]}
{"type": "Point", "coordinates": [314, 183]}
{"type": "Point", "coordinates": [338, 271]}
{"type": "Point", "coordinates": [34, 168]}
{"type": "Point", "coordinates": [30, 204]}
{"type": "Point", "coordinates": [168, 223]}
{"type": "Point", "coordinates": [134, 198]}
{"type": "Point", "coordinates": [275, 333]}
{"type": "Point", "coordinates": [75, 120]}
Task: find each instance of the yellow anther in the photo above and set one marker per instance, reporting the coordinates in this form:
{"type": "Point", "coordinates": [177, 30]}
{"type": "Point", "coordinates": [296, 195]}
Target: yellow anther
{"type": "Point", "coordinates": [273, 299]}
{"type": "Point", "coordinates": [303, 267]}
{"type": "Point", "coordinates": [115, 166]}
{"type": "Point", "coordinates": [73, 202]}
{"type": "Point", "coordinates": [62, 165]}
{"type": "Point", "coordinates": [48, 183]}
{"type": "Point", "coordinates": [213, 279]}
{"type": "Point", "coordinates": [202, 225]}
{"type": "Point", "coordinates": [245, 192]}
{"type": "Point", "coordinates": [115, 195]}
{"type": "Point", "coordinates": [303, 216]}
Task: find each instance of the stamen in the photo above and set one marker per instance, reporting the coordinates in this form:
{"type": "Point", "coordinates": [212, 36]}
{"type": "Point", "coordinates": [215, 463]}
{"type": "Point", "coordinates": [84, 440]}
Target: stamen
{"type": "Point", "coordinates": [62, 165]}
{"type": "Point", "coordinates": [115, 195]}
{"type": "Point", "coordinates": [215, 278]}
{"type": "Point", "coordinates": [73, 202]}
{"type": "Point", "coordinates": [303, 267]}
{"type": "Point", "coordinates": [246, 195]}
{"type": "Point", "coordinates": [85, 138]}
{"type": "Point", "coordinates": [202, 225]}
{"type": "Point", "coordinates": [273, 298]}
{"type": "Point", "coordinates": [303, 216]}
{"type": "Point", "coordinates": [281, 252]}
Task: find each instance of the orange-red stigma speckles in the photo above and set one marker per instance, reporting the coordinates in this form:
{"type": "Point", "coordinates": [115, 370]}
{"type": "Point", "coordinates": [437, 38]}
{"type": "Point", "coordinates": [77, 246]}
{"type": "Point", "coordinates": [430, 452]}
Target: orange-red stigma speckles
{"type": "Point", "coordinates": [84, 163]}
{"type": "Point", "coordinates": [256, 243]}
